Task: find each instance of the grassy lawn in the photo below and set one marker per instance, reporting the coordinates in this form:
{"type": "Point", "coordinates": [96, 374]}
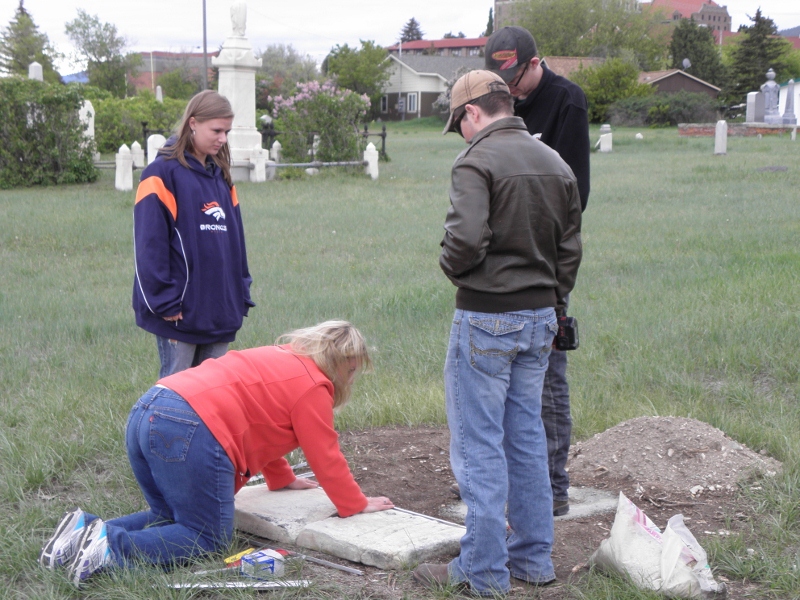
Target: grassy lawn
{"type": "Point", "coordinates": [687, 300]}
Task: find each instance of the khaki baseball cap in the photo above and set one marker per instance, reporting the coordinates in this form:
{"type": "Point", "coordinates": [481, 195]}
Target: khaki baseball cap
{"type": "Point", "coordinates": [470, 87]}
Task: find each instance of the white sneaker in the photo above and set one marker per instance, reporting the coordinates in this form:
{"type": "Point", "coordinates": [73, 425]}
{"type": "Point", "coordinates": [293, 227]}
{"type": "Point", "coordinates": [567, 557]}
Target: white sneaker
{"type": "Point", "coordinates": [93, 553]}
{"type": "Point", "coordinates": [62, 547]}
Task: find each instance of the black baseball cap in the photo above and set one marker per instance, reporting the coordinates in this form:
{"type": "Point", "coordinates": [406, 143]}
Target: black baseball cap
{"type": "Point", "coordinates": [508, 48]}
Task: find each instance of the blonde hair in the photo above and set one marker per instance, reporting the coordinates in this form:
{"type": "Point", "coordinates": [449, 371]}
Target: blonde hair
{"type": "Point", "coordinates": [204, 106]}
{"type": "Point", "coordinates": [330, 345]}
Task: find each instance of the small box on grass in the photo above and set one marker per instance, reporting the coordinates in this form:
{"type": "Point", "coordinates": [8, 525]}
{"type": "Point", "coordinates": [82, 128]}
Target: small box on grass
{"type": "Point", "coordinates": [262, 564]}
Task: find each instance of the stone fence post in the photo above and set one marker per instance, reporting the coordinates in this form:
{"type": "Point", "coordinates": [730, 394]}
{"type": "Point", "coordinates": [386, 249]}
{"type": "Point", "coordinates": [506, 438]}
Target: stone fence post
{"type": "Point", "coordinates": [137, 154]}
{"type": "Point", "coordinates": [371, 158]}
{"type": "Point", "coordinates": [154, 143]}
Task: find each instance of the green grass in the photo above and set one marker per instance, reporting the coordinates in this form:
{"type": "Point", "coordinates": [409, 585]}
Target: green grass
{"type": "Point", "coordinates": [687, 300]}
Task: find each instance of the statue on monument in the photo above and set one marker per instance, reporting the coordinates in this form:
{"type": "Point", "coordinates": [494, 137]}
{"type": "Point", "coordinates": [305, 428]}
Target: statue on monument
{"type": "Point", "coordinates": [238, 18]}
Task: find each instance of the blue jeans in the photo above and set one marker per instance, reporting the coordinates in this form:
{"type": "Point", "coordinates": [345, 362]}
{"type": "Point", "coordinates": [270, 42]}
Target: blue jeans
{"type": "Point", "coordinates": [493, 375]}
{"type": "Point", "coordinates": [187, 480]}
{"type": "Point", "coordinates": [557, 422]}
{"type": "Point", "coordinates": [178, 356]}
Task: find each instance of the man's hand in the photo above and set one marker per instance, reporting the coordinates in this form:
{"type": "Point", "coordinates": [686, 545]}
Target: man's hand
{"type": "Point", "coordinates": [377, 504]}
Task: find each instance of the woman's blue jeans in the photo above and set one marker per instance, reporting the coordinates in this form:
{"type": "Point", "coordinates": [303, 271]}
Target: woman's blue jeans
{"type": "Point", "coordinates": [186, 478]}
{"type": "Point", "coordinates": [493, 375]}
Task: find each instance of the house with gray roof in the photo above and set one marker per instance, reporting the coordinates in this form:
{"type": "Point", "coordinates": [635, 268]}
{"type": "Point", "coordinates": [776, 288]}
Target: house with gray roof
{"type": "Point", "coordinates": [415, 82]}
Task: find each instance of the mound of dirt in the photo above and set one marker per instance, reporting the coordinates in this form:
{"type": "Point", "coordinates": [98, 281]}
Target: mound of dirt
{"type": "Point", "coordinates": [668, 459]}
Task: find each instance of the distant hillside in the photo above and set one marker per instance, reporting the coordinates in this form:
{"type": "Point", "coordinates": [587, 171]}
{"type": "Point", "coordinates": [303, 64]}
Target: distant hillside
{"type": "Point", "coordinates": [793, 32]}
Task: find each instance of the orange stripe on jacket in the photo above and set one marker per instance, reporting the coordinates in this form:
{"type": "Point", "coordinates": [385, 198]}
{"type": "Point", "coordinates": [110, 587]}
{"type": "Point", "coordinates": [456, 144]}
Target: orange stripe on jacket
{"type": "Point", "coordinates": [234, 197]}
{"type": "Point", "coordinates": [154, 185]}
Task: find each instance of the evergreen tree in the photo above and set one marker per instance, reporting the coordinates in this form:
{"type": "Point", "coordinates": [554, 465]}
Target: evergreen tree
{"type": "Point", "coordinates": [759, 50]}
{"type": "Point", "coordinates": [411, 31]}
{"type": "Point", "coordinates": [696, 43]}
{"type": "Point", "coordinates": [490, 25]}
{"type": "Point", "coordinates": [21, 44]}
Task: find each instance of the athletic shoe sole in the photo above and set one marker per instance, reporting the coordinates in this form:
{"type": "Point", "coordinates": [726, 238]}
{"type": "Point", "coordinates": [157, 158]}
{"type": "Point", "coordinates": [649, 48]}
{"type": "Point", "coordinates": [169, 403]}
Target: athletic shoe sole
{"type": "Point", "coordinates": [93, 553]}
{"type": "Point", "coordinates": [61, 547]}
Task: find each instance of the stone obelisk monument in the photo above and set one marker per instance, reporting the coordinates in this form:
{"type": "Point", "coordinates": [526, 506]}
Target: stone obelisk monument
{"type": "Point", "coordinates": [237, 66]}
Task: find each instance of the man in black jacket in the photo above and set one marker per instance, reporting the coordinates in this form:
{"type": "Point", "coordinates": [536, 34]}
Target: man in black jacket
{"type": "Point", "coordinates": [555, 111]}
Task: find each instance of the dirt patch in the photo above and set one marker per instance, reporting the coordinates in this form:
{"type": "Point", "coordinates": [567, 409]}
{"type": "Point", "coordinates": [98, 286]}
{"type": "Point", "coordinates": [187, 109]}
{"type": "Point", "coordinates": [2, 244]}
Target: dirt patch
{"type": "Point", "coordinates": [667, 465]}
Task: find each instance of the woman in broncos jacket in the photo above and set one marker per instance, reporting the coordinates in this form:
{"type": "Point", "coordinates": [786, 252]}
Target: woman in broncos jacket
{"type": "Point", "coordinates": [192, 284]}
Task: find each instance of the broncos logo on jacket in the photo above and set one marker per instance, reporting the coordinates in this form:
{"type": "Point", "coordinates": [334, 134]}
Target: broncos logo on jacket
{"type": "Point", "coordinates": [213, 209]}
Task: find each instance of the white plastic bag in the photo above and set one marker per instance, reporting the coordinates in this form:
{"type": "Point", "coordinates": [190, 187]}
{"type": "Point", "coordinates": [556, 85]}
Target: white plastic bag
{"type": "Point", "coordinates": [672, 563]}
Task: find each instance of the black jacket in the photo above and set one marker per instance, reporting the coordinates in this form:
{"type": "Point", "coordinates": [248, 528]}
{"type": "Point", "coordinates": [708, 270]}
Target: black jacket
{"type": "Point", "coordinates": [557, 113]}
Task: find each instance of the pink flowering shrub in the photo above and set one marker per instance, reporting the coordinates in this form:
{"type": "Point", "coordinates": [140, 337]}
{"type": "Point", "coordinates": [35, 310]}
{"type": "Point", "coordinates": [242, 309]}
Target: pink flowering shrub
{"type": "Point", "coordinates": [323, 109]}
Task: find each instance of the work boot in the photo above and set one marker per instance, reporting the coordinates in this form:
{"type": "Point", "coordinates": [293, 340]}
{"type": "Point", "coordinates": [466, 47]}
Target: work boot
{"type": "Point", "coordinates": [560, 507]}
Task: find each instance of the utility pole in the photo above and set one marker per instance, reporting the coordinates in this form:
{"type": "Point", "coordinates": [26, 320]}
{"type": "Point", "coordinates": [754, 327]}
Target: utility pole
{"type": "Point", "coordinates": [205, 50]}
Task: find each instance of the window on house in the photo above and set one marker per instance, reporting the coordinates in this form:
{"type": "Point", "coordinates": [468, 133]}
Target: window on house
{"type": "Point", "coordinates": [474, 51]}
{"type": "Point", "coordinates": [384, 104]}
{"type": "Point", "coordinates": [412, 103]}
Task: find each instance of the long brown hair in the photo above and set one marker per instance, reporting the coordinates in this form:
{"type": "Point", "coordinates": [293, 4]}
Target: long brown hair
{"type": "Point", "coordinates": [330, 345]}
{"type": "Point", "coordinates": [204, 106]}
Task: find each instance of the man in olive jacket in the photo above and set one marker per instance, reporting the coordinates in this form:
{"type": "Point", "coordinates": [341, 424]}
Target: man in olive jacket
{"type": "Point", "coordinates": [512, 247]}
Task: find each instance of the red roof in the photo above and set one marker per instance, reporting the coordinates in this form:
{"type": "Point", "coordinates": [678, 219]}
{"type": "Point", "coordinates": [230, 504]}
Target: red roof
{"type": "Point", "coordinates": [794, 40]}
{"type": "Point", "coordinates": [685, 7]}
{"type": "Point", "coordinates": [445, 43]}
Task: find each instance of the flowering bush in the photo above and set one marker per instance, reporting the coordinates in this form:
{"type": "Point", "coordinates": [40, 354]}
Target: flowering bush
{"type": "Point", "coordinates": [325, 110]}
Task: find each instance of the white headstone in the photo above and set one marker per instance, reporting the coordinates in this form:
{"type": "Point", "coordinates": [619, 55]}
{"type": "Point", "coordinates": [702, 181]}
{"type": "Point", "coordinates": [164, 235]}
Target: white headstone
{"type": "Point", "coordinates": [755, 108]}
{"type": "Point", "coordinates": [137, 154]}
{"type": "Point", "coordinates": [237, 66]}
{"type": "Point", "coordinates": [605, 142]}
{"type": "Point", "coordinates": [258, 159]}
{"type": "Point", "coordinates": [721, 138]}
{"type": "Point", "coordinates": [312, 171]}
{"type": "Point", "coordinates": [789, 117]}
{"type": "Point", "coordinates": [275, 151]}
{"type": "Point", "coordinates": [159, 94]}
{"type": "Point", "coordinates": [605, 128]}
{"type": "Point", "coordinates": [154, 142]}
{"type": "Point", "coordinates": [371, 158]}
{"type": "Point", "coordinates": [35, 71]}
{"type": "Point", "coordinates": [86, 115]}
{"type": "Point", "coordinates": [123, 180]}
{"type": "Point", "coordinates": [639, 136]}
{"type": "Point", "coordinates": [794, 134]}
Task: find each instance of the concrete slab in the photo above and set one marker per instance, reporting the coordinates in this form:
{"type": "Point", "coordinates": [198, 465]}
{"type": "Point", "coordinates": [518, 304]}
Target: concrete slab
{"type": "Point", "coordinates": [583, 502]}
{"type": "Point", "coordinates": [387, 540]}
{"type": "Point", "coordinates": [280, 515]}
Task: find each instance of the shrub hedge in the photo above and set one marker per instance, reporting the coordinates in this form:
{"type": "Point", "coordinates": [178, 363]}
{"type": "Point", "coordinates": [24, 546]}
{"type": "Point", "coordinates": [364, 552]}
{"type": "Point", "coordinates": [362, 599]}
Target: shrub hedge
{"type": "Point", "coordinates": [664, 110]}
{"type": "Point", "coordinates": [42, 138]}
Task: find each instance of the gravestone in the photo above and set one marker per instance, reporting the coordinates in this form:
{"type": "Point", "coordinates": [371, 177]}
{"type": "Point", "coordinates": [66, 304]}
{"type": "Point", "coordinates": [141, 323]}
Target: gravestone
{"type": "Point", "coordinates": [772, 93]}
{"type": "Point", "coordinates": [154, 143]}
{"type": "Point", "coordinates": [123, 180]}
{"type": "Point", "coordinates": [159, 94]}
{"type": "Point", "coordinates": [258, 160]}
{"type": "Point", "coordinates": [237, 66]}
{"type": "Point", "coordinates": [35, 71]}
{"type": "Point", "coordinates": [789, 117]}
{"type": "Point", "coordinates": [605, 142]}
{"type": "Point", "coordinates": [755, 108]}
{"type": "Point", "coordinates": [721, 138]}
{"type": "Point", "coordinates": [137, 154]}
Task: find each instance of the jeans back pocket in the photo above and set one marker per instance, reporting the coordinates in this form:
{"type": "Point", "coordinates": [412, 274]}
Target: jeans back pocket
{"type": "Point", "coordinates": [170, 436]}
{"type": "Point", "coordinates": [493, 342]}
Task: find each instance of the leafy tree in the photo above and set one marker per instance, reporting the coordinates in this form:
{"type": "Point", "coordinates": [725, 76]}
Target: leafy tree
{"type": "Point", "coordinates": [101, 48]}
{"type": "Point", "coordinates": [603, 85]}
{"type": "Point", "coordinates": [606, 28]}
{"type": "Point", "coordinates": [21, 44]}
{"type": "Point", "coordinates": [282, 68]}
{"type": "Point", "coordinates": [490, 25]}
{"type": "Point", "coordinates": [411, 31]}
{"type": "Point", "coordinates": [696, 43]}
{"type": "Point", "coordinates": [758, 51]}
{"type": "Point", "coordinates": [449, 35]}
{"type": "Point", "coordinates": [181, 82]}
{"type": "Point", "coordinates": [364, 71]}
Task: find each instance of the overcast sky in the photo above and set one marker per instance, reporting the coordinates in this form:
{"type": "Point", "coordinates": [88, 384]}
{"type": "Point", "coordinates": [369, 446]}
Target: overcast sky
{"type": "Point", "coordinates": [312, 27]}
